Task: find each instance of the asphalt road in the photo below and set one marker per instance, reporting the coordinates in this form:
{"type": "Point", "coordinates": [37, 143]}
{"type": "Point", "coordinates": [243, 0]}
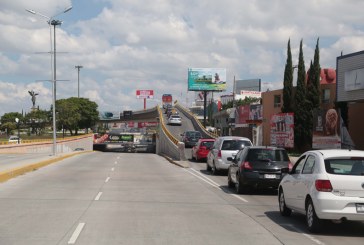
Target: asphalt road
{"type": "Point", "coordinates": [131, 198]}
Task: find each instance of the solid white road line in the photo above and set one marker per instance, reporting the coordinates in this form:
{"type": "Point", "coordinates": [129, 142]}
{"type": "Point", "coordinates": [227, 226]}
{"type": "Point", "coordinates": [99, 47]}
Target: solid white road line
{"type": "Point", "coordinates": [98, 196]}
{"type": "Point", "coordinates": [107, 179]}
{"type": "Point", "coordinates": [116, 162]}
{"type": "Point", "coordinates": [112, 169]}
{"type": "Point", "coordinates": [76, 233]}
{"type": "Point", "coordinates": [213, 183]}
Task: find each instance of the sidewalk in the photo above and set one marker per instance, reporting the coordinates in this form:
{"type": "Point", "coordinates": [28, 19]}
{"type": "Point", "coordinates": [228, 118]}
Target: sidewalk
{"type": "Point", "coordinates": [12, 165]}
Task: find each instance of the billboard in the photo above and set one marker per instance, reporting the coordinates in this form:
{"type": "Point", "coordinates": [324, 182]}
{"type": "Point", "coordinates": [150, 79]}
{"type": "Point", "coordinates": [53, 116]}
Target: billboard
{"type": "Point", "coordinates": [144, 94]}
{"type": "Point", "coordinates": [282, 130]}
{"type": "Point", "coordinates": [206, 79]}
{"type": "Point", "coordinates": [248, 84]}
{"type": "Point", "coordinates": [109, 115]}
{"type": "Point", "coordinates": [326, 129]}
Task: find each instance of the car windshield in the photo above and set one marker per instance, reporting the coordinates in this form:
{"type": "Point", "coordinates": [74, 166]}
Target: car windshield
{"type": "Point", "coordinates": [351, 166]}
{"type": "Point", "coordinates": [267, 154]}
{"type": "Point", "coordinates": [233, 145]}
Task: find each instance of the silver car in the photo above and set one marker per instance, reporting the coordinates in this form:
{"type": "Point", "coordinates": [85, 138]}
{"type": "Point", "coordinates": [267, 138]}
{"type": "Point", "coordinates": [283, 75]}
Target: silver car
{"type": "Point", "coordinates": [224, 147]}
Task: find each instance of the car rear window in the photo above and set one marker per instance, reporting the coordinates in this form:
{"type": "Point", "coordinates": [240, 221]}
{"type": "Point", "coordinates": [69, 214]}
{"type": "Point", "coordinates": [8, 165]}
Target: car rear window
{"type": "Point", "coordinates": [349, 166]}
{"type": "Point", "coordinates": [267, 154]}
{"type": "Point", "coordinates": [194, 134]}
{"type": "Point", "coordinates": [208, 144]}
{"type": "Point", "coordinates": [233, 145]}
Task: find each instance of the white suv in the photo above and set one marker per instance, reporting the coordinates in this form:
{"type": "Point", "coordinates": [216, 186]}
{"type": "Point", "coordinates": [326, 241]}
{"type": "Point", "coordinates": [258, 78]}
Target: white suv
{"type": "Point", "coordinates": [224, 147]}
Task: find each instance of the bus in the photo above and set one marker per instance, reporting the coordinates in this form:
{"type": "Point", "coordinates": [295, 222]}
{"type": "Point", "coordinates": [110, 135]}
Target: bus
{"type": "Point", "coordinates": [166, 100]}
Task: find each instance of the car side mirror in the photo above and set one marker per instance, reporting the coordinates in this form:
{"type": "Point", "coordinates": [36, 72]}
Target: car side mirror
{"type": "Point", "coordinates": [230, 159]}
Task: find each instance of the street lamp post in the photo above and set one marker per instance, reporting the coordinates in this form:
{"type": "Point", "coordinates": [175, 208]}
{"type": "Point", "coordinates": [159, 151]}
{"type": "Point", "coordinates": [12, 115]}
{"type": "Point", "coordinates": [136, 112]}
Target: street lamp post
{"type": "Point", "coordinates": [17, 126]}
{"type": "Point", "coordinates": [78, 79]}
{"type": "Point", "coordinates": [54, 23]}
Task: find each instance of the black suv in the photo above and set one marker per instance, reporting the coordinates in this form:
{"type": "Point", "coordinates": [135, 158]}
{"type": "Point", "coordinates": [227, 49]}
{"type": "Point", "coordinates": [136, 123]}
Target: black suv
{"type": "Point", "coordinates": [257, 167]}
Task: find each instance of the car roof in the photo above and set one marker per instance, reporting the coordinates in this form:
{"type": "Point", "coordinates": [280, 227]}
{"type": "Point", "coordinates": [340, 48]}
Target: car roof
{"type": "Point", "coordinates": [233, 138]}
{"type": "Point", "coordinates": [328, 153]}
{"type": "Point", "coordinates": [265, 147]}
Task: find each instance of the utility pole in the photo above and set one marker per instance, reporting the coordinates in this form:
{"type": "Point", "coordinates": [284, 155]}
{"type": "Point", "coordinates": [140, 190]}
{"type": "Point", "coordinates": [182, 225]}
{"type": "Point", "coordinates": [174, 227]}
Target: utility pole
{"type": "Point", "coordinates": [78, 79]}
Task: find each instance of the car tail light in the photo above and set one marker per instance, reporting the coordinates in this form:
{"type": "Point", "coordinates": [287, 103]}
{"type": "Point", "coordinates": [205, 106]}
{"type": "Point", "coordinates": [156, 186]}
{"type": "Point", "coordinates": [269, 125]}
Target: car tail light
{"type": "Point", "coordinates": [246, 165]}
{"type": "Point", "coordinates": [219, 154]}
{"type": "Point", "coordinates": [323, 185]}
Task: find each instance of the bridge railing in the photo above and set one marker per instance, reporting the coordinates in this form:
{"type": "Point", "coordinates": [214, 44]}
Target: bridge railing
{"type": "Point", "coordinates": [196, 123]}
{"type": "Point", "coordinates": [167, 144]}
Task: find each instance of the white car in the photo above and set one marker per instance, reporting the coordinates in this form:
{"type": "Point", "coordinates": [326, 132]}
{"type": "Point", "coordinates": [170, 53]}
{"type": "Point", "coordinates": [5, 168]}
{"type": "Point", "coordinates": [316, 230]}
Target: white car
{"type": "Point", "coordinates": [14, 139]}
{"type": "Point", "coordinates": [175, 120]}
{"type": "Point", "coordinates": [324, 185]}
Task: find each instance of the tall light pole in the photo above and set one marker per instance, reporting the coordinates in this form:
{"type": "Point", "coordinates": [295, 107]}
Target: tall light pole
{"type": "Point", "coordinates": [78, 79]}
{"type": "Point", "coordinates": [54, 23]}
{"type": "Point", "coordinates": [17, 125]}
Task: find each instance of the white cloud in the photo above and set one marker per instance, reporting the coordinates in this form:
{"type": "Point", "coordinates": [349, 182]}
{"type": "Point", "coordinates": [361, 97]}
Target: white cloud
{"type": "Point", "coordinates": [126, 45]}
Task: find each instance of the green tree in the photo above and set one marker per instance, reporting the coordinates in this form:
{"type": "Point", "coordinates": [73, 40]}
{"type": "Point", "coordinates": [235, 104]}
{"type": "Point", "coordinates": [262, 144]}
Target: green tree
{"type": "Point", "coordinates": [76, 113]}
{"type": "Point", "coordinates": [301, 110]}
{"type": "Point", "coordinates": [288, 82]}
{"type": "Point", "coordinates": [37, 121]}
{"type": "Point", "coordinates": [8, 121]}
{"type": "Point", "coordinates": [245, 101]}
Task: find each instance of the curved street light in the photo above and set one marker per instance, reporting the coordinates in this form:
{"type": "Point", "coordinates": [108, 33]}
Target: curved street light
{"type": "Point", "coordinates": [54, 23]}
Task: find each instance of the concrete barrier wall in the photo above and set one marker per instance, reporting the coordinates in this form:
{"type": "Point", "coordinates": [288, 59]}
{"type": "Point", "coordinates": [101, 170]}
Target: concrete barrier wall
{"type": "Point", "coordinates": [62, 146]}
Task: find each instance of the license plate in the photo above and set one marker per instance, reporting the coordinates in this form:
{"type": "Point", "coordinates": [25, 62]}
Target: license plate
{"type": "Point", "coordinates": [269, 176]}
{"type": "Point", "coordinates": [360, 207]}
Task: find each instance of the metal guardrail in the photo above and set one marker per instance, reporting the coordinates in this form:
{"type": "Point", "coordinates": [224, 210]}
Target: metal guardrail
{"type": "Point", "coordinates": [195, 121]}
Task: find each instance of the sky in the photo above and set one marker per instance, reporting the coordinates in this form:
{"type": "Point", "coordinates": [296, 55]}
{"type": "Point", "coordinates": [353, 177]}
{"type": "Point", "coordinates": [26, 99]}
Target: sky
{"type": "Point", "coordinates": [129, 45]}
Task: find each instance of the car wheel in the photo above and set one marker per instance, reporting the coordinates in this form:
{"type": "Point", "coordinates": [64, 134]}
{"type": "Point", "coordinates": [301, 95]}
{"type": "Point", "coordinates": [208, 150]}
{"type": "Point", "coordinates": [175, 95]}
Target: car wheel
{"type": "Point", "coordinates": [238, 186]}
{"type": "Point", "coordinates": [214, 169]}
{"type": "Point", "coordinates": [208, 168]}
{"type": "Point", "coordinates": [282, 205]}
{"type": "Point", "coordinates": [230, 182]}
{"type": "Point", "coordinates": [312, 221]}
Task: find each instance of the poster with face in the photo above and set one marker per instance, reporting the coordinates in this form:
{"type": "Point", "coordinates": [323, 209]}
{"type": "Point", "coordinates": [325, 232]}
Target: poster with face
{"type": "Point", "coordinates": [326, 130]}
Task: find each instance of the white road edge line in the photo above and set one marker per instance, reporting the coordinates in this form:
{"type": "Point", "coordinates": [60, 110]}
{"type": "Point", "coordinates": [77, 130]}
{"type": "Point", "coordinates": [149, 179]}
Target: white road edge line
{"type": "Point", "coordinates": [306, 235]}
{"type": "Point", "coordinates": [107, 179]}
{"type": "Point", "coordinates": [76, 233]}
{"type": "Point", "coordinates": [116, 162]}
{"type": "Point", "coordinates": [112, 169]}
{"type": "Point", "coordinates": [98, 196]}
{"type": "Point", "coordinates": [217, 185]}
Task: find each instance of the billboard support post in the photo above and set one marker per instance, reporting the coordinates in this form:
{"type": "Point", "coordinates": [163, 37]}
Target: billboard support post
{"type": "Point", "coordinates": [204, 107]}
{"type": "Point", "coordinates": [145, 103]}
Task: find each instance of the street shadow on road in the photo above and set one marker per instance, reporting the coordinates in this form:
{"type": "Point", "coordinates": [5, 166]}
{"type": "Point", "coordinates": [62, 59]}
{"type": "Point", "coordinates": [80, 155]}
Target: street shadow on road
{"type": "Point", "coordinates": [297, 223]}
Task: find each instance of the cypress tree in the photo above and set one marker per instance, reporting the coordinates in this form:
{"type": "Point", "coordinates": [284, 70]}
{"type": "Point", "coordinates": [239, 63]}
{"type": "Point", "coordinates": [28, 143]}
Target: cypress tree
{"type": "Point", "coordinates": [316, 78]}
{"type": "Point", "coordinates": [300, 110]}
{"type": "Point", "coordinates": [288, 82]}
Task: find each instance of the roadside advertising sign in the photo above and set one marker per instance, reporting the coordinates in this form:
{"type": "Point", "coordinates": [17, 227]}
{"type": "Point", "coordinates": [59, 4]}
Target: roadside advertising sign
{"type": "Point", "coordinates": [282, 130]}
{"type": "Point", "coordinates": [326, 129]}
{"type": "Point", "coordinates": [109, 115]}
{"type": "Point", "coordinates": [144, 94]}
{"type": "Point", "coordinates": [206, 79]}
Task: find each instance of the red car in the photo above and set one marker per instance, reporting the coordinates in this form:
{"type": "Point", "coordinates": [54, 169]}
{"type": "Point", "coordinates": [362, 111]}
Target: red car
{"type": "Point", "coordinates": [202, 148]}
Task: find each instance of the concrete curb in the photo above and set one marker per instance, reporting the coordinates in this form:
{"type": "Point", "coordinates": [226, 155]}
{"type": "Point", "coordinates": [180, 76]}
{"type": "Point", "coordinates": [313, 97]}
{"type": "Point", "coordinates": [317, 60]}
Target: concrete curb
{"type": "Point", "coordinates": [183, 164]}
{"type": "Point", "coordinates": [12, 173]}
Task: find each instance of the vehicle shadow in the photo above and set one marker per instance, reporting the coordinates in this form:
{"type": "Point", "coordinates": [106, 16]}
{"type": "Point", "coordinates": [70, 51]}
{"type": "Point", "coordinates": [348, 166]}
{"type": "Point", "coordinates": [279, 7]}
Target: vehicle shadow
{"type": "Point", "coordinates": [297, 223]}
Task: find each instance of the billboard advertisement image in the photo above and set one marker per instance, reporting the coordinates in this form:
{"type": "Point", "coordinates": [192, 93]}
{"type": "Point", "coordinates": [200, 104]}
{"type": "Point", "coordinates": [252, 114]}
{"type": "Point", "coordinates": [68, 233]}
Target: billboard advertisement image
{"type": "Point", "coordinates": [282, 130]}
{"type": "Point", "coordinates": [109, 115]}
{"type": "Point", "coordinates": [326, 129]}
{"type": "Point", "coordinates": [206, 79]}
{"type": "Point", "coordinates": [144, 94]}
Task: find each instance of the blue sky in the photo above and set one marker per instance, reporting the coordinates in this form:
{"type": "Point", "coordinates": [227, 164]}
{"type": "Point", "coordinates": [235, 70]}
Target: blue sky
{"type": "Point", "coordinates": [125, 45]}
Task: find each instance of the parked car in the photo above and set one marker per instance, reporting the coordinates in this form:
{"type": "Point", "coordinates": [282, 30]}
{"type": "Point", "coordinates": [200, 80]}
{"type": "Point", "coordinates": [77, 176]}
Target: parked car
{"type": "Point", "coordinates": [224, 147]}
{"type": "Point", "coordinates": [324, 185]}
{"type": "Point", "coordinates": [14, 139]}
{"type": "Point", "coordinates": [190, 138]}
{"type": "Point", "coordinates": [257, 167]}
{"type": "Point", "coordinates": [202, 148]}
{"type": "Point", "coordinates": [175, 120]}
